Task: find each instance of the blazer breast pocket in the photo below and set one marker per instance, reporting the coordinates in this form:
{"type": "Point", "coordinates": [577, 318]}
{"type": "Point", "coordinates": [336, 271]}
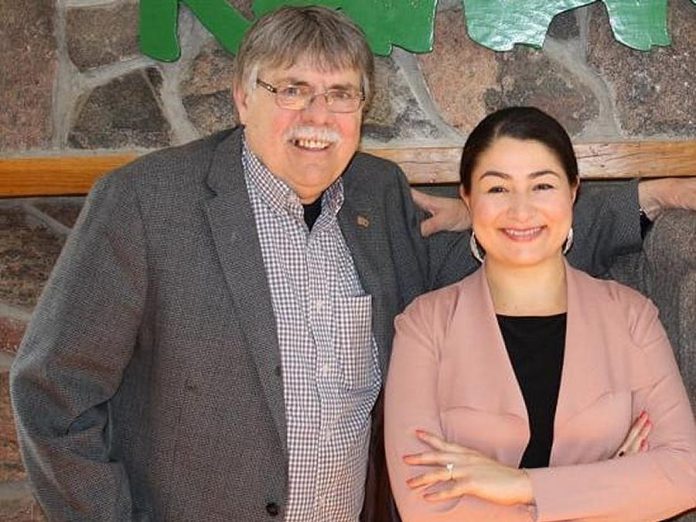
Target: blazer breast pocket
{"type": "Point", "coordinates": [353, 341]}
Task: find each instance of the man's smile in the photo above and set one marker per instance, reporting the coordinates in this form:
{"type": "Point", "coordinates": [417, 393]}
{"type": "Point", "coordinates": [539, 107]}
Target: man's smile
{"type": "Point", "coordinates": [311, 144]}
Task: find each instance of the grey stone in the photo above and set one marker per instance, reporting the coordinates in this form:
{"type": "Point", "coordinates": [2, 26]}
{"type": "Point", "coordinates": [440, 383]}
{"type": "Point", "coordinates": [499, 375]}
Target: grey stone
{"type": "Point", "coordinates": [21, 509]}
{"type": "Point", "coordinates": [154, 76]}
{"type": "Point", "coordinates": [124, 113]}
{"type": "Point", "coordinates": [458, 72]}
{"type": "Point", "coordinates": [653, 91]}
{"type": "Point", "coordinates": [564, 26]}
{"type": "Point", "coordinates": [394, 112]}
{"type": "Point", "coordinates": [27, 255]}
{"type": "Point", "coordinates": [11, 468]}
{"type": "Point", "coordinates": [207, 90]}
{"type": "Point", "coordinates": [11, 333]}
{"type": "Point", "coordinates": [211, 112]}
{"type": "Point", "coordinates": [443, 5]}
{"type": "Point", "coordinates": [99, 35]}
{"type": "Point", "coordinates": [244, 7]}
{"type": "Point", "coordinates": [527, 77]}
{"type": "Point", "coordinates": [28, 64]}
{"type": "Point", "coordinates": [63, 210]}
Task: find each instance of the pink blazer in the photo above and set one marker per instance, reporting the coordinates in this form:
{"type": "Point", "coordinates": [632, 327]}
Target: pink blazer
{"type": "Point", "coordinates": [450, 374]}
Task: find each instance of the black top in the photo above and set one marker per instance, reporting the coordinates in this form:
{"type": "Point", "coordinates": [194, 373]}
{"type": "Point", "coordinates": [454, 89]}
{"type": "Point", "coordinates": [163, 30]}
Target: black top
{"type": "Point", "coordinates": [535, 346]}
{"type": "Point", "coordinates": [312, 212]}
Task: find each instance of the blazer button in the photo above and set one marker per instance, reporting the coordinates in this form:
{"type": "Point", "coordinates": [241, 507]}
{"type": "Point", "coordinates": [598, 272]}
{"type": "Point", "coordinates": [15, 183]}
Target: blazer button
{"type": "Point", "coordinates": [278, 371]}
{"type": "Point", "coordinates": [272, 509]}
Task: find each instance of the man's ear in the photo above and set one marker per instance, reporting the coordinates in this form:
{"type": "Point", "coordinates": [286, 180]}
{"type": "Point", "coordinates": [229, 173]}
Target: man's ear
{"type": "Point", "coordinates": [240, 97]}
{"type": "Point", "coordinates": [575, 191]}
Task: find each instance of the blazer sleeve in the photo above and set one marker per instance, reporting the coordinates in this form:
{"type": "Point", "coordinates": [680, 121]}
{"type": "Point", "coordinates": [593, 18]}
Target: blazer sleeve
{"type": "Point", "coordinates": [606, 224]}
{"type": "Point", "coordinates": [653, 485]}
{"type": "Point", "coordinates": [72, 357]}
{"type": "Point", "coordinates": [447, 255]}
{"type": "Point", "coordinates": [411, 402]}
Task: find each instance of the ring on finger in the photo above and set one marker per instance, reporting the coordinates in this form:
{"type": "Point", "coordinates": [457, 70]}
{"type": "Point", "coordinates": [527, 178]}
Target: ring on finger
{"type": "Point", "coordinates": [450, 469]}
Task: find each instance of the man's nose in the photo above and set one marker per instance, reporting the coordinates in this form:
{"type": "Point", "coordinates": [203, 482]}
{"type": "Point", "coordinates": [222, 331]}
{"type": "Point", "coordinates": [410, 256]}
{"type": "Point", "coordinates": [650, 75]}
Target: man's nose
{"type": "Point", "coordinates": [317, 108]}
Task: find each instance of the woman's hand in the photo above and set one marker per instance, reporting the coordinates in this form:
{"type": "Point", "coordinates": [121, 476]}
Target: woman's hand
{"type": "Point", "coordinates": [637, 439]}
{"type": "Point", "coordinates": [462, 471]}
{"type": "Point", "coordinates": [446, 214]}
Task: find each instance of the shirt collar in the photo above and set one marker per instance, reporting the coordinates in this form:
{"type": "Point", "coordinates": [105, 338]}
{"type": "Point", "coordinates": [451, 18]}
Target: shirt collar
{"type": "Point", "coordinates": [278, 195]}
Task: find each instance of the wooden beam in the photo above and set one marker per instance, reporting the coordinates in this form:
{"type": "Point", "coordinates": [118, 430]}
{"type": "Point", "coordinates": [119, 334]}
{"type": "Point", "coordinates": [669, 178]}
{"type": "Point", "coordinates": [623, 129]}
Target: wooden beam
{"type": "Point", "coordinates": [55, 175]}
{"type": "Point", "coordinates": [637, 159]}
{"type": "Point", "coordinates": [74, 175]}
{"type": "Point", "coordinates": [619, 160]}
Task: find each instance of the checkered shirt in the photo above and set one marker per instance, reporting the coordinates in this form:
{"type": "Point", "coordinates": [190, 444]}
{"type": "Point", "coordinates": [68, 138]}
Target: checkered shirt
{"type": "Point", "coordinates": [331, 375]}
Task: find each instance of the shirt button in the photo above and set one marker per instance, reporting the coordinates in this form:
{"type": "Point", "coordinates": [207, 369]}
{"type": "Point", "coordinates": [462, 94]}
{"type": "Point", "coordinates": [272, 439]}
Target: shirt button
{"type": "Point", "coordinates": [272, 509]}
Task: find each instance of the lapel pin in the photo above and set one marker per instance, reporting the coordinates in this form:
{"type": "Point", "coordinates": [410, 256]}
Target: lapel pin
{"type": "Point", "coordinates": [363, 222]}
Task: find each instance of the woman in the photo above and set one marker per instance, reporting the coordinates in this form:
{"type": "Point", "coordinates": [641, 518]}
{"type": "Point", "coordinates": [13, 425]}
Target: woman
{"type": "Point", "coordinates": [511, 393]}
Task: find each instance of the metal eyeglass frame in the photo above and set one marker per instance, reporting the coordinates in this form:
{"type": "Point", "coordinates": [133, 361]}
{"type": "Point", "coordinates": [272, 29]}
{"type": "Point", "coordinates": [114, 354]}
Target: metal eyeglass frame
{"type": "Point", "coordinates": [329, 103]}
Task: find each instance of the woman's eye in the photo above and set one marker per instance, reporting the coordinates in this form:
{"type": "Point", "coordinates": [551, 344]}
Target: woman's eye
{"type": "Point", "coordinates": [496, 190]}
{"type": "Point", "coordinates": [543, 186]}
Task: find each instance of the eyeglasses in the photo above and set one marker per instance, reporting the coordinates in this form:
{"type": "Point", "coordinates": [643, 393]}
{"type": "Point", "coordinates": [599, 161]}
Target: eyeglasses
{"type": "Point", "coordinates": [299, 97]}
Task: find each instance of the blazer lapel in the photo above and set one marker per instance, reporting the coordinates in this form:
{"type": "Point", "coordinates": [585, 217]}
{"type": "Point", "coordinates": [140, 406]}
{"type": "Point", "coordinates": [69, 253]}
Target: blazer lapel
{"type": "Point", "coordinates": [489, 384]}
{"type": "Point", "coordinates": [234, 232]}
{"type": "Point", "coordinates": [361, 238]}
{"type": "Point", "coordinates": [584, 377]}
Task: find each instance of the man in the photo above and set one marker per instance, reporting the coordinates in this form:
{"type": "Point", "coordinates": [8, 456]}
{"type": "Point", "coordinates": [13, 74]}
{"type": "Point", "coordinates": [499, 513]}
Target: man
{"type": "Point", "coordinates": [214, 337]}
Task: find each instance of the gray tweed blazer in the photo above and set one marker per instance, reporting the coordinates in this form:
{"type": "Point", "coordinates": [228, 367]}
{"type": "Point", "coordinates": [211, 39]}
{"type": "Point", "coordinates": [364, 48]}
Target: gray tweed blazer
{"type": "Point", "coordinates": [149, 383]}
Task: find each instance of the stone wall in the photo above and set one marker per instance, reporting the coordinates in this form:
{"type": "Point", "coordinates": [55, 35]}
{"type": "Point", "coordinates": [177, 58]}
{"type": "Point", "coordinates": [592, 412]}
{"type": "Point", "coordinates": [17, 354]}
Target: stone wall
{"type": "Point", "coordinates": [73, 81]}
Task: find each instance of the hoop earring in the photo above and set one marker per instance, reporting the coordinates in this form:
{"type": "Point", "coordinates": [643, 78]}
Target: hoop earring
{"type": "Point", "coordinates": [475, 251]}
{"type": "Point", "coordinates": [568, 242]}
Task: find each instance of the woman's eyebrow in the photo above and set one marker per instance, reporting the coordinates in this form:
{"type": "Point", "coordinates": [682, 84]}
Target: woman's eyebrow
{"type": "Point", "coordinates": [540, 173]}
{"type": "Point", "coordinates": [495, 174]}
{"type": "Point", "coordinates": [533, 175]}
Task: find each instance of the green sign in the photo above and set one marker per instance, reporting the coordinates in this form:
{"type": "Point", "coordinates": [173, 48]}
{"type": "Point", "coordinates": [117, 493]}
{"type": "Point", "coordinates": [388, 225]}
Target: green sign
{"type": "Point", "coordinates": [409, 24]}
{"type": "Point", "coordinates": [500, 24]}
{"type": "Point", "coordinates": [159, 24]}
{"type": "Point", "coordinates": [405, 23]}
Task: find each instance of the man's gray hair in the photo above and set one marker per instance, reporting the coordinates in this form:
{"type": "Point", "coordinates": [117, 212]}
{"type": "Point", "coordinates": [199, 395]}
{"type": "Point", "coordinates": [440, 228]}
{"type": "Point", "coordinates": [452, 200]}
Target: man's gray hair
{"type": "Point", "coordinates": [327, 38]}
